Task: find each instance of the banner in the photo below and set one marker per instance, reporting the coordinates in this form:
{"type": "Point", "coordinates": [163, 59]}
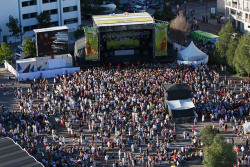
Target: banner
{"type": "Point", "coordinates": [91, 44]}
{"type": "Point", "coordinates": [161, 32]}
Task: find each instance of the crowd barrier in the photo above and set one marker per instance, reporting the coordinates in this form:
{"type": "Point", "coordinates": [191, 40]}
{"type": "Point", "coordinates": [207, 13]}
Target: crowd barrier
{"type": "Point", "coordinates": [44, 74]}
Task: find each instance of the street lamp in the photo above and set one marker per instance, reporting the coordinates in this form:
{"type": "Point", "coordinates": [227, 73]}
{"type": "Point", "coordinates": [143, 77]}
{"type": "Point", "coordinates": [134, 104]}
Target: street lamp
{"type": "Point", "coordinates": [1, 35]}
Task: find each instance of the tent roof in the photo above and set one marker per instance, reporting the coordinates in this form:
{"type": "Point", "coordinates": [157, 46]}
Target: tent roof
{"type": "Point", "coordinates": [206, 34]}
{"type": "Point", "coordinates": [174, 87]}
{"type": "Point", "coordinates": [183, 104]}
{"type": "Point", "coordinates": [191, 51]}
{"type": "Point", "coordinates": [122, 19]}
{"type": "Point", "coordinates": [11, 154]}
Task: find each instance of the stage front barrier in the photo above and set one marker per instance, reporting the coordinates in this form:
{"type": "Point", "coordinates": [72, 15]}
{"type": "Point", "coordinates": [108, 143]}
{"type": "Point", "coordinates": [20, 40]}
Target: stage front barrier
{"type": "Point", "coordinates": [44, 74]}
{"type": "Point", "coordinates": [10, 69]}
{"type": "Point", "coordinates": [161, 33]}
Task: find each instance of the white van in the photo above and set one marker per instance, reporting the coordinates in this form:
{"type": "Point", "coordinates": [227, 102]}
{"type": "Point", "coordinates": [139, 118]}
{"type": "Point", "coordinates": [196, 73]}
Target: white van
{"type": "Point", "coordinates": [138, 8]}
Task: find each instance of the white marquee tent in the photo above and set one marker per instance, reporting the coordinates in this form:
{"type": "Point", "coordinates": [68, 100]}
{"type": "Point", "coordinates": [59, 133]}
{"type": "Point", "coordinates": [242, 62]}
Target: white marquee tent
{"type": "Point", "coordinates": [192, 55]}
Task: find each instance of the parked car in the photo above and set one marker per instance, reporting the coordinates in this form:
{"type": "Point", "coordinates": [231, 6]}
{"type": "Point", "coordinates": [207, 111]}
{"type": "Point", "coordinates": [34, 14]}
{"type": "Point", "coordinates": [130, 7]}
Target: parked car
{"type": "Point", "coordinates": [138, 8]}
{"type": "Point", "coordinates": [154, 6]}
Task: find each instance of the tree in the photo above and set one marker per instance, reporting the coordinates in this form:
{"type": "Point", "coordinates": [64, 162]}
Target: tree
{"type": "Point", "coordinates": [44, 20]}
{"type": "Point", "coordinates": [165, 15]}
{"type": "Point", "coordinates": [6, 53]}
{"type": "Point", "coordinates": [29, 47]}
{"type": "Point", "coordinates": [180, 27]}
{"type": "Point", "coordinates": [241, 59]}
{"type": "Point", "coordinates": [14, 27]}
{"type": "Point", "coordinates": [223, 42]}
{"type": "Point", "coordinates": [230, 53]}
{"type": "Point", "coordinates": [98, 2]}
{"type": "Point", "coordinates": [220, 153]}
{"type": "Point", "coordinates": [208, 134]}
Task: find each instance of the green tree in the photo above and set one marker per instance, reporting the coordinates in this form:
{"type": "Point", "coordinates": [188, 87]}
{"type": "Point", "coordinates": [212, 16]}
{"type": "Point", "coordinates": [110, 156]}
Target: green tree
{"type": "Point", "coordinates": [179, 27]}
{"type": "Point", "coordinates": [241, 59]}
{"type": "Point", "coordinates": [14, 27]}
{"type": "Point", "coordinates": [230, 53]}
{"type": "Point", "coordinates": [98, 2]}
{"type": "Point", "coordinates": [208, 134]}
{"type": "Point", "coordinates": [222, 44]}
{"type": "Point", "coordinates": [6, 53]}
{"type": "Point", "coordinates": [29, 47]}
{"type": "Point", "coordinates": [165, 15]}
{"type": "Point", "coordinates": [43, 20]}
{"type": "Point", "coordinates": [220, 153]}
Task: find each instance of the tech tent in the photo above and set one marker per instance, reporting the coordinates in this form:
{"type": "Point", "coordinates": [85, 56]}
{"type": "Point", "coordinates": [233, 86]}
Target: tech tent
{"type": "Point", "coordinates": [192, 55]}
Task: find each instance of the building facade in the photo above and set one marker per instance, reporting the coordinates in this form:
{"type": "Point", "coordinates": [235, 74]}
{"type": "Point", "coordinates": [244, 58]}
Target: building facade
{"type": "Point", "coordinates": [221, 6]}
{"type": "Point", "coordinates": [238, 12]}
{"type": "Point", "coordinates": [62, 12]}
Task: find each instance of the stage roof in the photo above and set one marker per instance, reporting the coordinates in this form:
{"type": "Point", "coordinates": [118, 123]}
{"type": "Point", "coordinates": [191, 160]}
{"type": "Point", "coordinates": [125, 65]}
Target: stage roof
{"type": "Point", "coordinates": [12, 155]}
{"type": "Point", "coordinates": [50, 29]}
{"type": "Point", "coordinates": [122, 19]}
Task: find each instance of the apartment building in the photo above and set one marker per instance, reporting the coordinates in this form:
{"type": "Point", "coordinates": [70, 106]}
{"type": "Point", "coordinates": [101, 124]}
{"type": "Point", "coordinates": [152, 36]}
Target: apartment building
{"type": "Point", "coordinates": [62, 12]}
{"type": "Point", "coordinates": [238, 12]}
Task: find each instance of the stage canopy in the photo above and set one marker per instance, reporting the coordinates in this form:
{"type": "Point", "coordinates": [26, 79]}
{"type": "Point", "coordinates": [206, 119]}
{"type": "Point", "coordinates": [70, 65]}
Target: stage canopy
{"type": "Point", "coordinates": [192, 55]}
{"type": "Point", "coordinates": [123, 22]}
{"type": "Point", "coordinates": [12, 154]}
{"type": "Point", "coordinates": [181, 104]}
{"type": "Point", "coordinates": [204, 36]}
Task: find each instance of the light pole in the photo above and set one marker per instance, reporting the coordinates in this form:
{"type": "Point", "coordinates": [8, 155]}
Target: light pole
{"type": "Point", "coordinates": [1, 35]}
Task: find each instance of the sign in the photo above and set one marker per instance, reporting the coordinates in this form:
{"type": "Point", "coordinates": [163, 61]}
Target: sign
{"type": "Point", "coordinates": [161, 32]}
{"type": "Point", "coordinates": [91, 44]}
{"type": "Point", "coordinates": [212, 10]}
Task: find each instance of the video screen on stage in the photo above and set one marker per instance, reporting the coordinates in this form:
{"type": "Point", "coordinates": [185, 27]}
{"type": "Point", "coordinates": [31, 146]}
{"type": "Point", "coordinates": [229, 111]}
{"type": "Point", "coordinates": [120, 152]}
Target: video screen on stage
{"type": "Point", "coordinates": [91, 44]}
{"type": "Point", "coordinates": [161, 33]}
{"type": "Point", "coordinates": [52, 42]}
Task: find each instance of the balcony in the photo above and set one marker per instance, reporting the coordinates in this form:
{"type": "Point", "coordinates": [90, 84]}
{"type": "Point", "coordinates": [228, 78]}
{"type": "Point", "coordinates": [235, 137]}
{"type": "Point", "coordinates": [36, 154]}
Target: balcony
{"type": "Point", "coordinates": [246, 9]}
{"type": "Point", "coordinates": [234, 5]}
{"type": "Point", "coordinates": [239, 17]}
{"type": "Point", "coordinates": [228, 4]}
{"type": "Point", "coordinates": [247, 20]}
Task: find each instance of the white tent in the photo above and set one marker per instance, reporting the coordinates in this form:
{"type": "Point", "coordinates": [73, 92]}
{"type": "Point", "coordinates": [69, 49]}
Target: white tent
{"type": "Point", "coordinates": [246, 127]}
{"type": "Point", "coordinates": [181, 104]}
{"type": "Point", "coordinates": [192, 55]}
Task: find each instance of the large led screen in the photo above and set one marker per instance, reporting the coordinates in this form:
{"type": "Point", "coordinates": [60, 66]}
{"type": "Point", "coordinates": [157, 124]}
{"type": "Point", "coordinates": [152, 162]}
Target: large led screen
{"type": "Point", "coordinates": [52, 42]}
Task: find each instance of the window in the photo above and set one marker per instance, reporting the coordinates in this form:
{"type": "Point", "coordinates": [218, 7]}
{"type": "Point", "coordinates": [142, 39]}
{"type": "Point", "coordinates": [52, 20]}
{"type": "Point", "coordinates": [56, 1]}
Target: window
{"type": "Point", "coordinates": [29, 28]}
{"type": "Point", "coordinates": [49, 1]}
{"type": "Point", "coordinates": [29, 15]}
{"type": "Point", "coordinates": [51, 12]}
{"type": "Point", "coordinates": [29, 3]}
{"type": "Point", "coordinates": [71, 21]}
{"type": "Point", "coordinates": [69, 9]}
{"type": "Point", "coordinates": [54, 24]}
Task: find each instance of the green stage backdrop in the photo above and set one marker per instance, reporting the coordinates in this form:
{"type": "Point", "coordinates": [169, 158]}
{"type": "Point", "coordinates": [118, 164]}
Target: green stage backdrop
{"type": "Point", "coordinates": [161, 33]}
{"type": "Point", "coordinates": [91, 44]}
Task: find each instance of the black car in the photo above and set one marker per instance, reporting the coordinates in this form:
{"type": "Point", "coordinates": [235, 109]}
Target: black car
{"type": "Point", "coordinates": [154, 6]}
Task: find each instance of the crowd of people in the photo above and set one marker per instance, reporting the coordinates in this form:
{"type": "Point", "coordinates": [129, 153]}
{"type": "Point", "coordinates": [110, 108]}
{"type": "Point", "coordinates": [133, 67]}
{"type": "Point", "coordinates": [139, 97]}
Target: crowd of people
{"type": "Point", "coordinates": [117, 116]}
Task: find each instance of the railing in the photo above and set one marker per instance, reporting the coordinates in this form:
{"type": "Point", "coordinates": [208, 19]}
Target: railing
{"type": "Point", "coordinates": [239, 17]}
{"type": "Point", "coordinates": [228, 4]}
{"type": "Point", "coordinates": [234, 5]}
{"type": "Point", "coordinates": [246, 9]}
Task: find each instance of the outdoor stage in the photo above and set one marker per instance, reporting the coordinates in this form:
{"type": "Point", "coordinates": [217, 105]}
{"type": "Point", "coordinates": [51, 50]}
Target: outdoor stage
{"type": "Point", "coordinates": [121, 38]}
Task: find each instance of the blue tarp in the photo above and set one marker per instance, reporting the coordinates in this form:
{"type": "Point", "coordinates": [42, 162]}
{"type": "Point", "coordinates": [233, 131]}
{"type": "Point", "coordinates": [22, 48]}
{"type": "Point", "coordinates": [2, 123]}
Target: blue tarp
{"type": "Point", "coordinates": [212, 40]}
